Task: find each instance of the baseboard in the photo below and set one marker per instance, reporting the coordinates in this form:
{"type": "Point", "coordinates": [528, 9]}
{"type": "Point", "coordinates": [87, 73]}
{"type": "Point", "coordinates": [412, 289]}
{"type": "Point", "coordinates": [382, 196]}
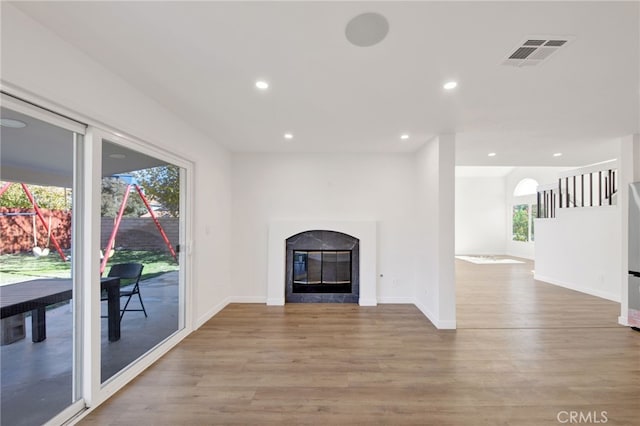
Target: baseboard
{"type": "Point", "coordinates": [247, 299]}
{"type": "Point", "coordinates": [426, 312]}
{"type": "Point", "coordinates": [211, 312]}
{"type": "Point", "coordinates": [623, 321]}
{"type": "Point", "coordinates": [447, 325]}
{"type": "Point", "coordinates": [367, 302]}
{"type": "Point", "coordinates": [572, 286]}
{"type": "Point", "coordinates": [398, 300]}
{"type": "Point", "coordinates": [440, 325]}
{"type": "Point", "coordinates": [279, 301]}
{"type": "Point", "coordinates": [220, 306]}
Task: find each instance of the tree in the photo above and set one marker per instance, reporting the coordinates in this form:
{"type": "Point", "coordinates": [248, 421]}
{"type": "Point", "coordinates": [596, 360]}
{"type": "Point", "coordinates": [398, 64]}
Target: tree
{"type": "Point", "coordinates": [47, 197]}
{"type": "Point", "coordinates": [112, 194]}
{"type": "Point", "coordinates": [162, 184]}
{"type": "Point", "coordinates": [521, 222]}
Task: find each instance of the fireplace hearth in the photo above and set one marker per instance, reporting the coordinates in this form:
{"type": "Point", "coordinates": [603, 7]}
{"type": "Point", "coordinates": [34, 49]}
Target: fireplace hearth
{"type": "Point", "coordinates": [322, 267]}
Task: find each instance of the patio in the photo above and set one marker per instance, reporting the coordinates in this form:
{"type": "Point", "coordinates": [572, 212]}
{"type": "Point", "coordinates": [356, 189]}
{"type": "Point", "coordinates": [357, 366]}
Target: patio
{"type": "Point", "coordinates": [36, 372]}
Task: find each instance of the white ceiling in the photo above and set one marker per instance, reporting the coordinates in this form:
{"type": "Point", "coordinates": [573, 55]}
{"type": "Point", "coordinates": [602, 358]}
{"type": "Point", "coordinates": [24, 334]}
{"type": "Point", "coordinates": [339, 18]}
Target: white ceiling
{"type": "Point", "coordinates": [201, 59]}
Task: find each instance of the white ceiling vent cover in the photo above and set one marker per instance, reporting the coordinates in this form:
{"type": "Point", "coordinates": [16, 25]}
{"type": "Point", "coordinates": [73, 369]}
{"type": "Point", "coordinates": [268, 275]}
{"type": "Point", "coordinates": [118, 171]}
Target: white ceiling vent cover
{"type": "Point", "coordinates": [534, 50]}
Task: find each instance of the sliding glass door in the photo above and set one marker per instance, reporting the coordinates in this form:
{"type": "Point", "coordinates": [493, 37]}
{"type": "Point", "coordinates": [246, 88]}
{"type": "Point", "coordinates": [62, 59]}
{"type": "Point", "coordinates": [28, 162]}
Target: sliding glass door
{"type": "Point", "coordinates": [141, 230]}
{"type": "Point", "coordinates": [92, 275]}
{"type": "Point", "coordinates": [41, 333]}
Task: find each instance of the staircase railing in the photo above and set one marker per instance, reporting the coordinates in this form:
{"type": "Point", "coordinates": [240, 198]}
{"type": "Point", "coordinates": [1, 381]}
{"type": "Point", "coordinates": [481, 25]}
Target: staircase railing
{"type": "Point", "coordinates": [591, 186]}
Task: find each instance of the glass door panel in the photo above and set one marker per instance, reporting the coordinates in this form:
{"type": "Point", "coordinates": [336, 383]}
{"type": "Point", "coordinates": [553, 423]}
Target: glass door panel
{"type": "Point", "coordinates": [36, 285]}
{"type": "Point", "coordinates": [140, 237]}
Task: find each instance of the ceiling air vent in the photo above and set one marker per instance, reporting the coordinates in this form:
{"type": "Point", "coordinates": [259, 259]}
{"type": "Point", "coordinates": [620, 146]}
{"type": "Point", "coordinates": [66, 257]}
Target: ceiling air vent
{"type": "Point", "coordinates": [534, 50]}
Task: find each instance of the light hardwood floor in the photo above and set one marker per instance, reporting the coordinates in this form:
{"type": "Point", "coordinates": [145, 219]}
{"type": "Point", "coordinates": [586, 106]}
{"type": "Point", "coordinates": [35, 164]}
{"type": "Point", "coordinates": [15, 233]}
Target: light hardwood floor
{"type": "Point", "coordinates": [524, 352]}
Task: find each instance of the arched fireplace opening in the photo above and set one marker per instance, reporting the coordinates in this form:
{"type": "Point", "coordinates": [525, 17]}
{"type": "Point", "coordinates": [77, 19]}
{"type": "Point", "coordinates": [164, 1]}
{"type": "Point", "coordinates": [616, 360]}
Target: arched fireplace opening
{"type": "Point", "coordinates": [322, 267]}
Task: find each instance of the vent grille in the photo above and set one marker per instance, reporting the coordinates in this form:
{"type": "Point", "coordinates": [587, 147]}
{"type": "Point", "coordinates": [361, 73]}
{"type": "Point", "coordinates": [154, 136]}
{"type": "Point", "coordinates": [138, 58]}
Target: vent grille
{"type": "Point", "coordinates": [556, 43]}
{"type": "Point", "coordinates": [535, 50]}
{"type": "Point", "coordinates": [534, 42]}
{"type": "Point", "coordinates": [522, 53]}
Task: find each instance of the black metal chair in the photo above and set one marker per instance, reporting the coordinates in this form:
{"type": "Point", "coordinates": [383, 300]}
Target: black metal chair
{"type": "Point", "coordinates": [129, 271]}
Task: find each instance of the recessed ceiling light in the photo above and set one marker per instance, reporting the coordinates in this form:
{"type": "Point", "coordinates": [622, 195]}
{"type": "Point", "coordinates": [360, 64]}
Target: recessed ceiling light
{"type": "Point", "coordinates": [14, 124]}
{"type": "Point", "coordinates": [288, 136]}
{"type": "Point", "coordinates": [117, 156]}
{"type": "Point", "coordinates": [491, 154]}
{"type": "Point", "coordinates": [557, 154]}
{"type": "Point", "coordinates": [404, 136]}
{"type": "Point", "coordinates": [262, 85]}
{"type": "Point", "coordinates": [450, 85]}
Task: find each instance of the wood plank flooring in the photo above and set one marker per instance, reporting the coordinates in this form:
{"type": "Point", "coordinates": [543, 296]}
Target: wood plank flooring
{"type": "Point", "coordinates": [524, 352]}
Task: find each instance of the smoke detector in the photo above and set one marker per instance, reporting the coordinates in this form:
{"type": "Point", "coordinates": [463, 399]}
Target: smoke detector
{"type": "Point", "coordinates": [534, 50]}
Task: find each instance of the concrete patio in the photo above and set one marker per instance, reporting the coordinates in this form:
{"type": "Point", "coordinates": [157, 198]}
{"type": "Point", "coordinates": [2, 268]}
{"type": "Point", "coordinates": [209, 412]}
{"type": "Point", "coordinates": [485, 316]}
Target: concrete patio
{"type": "Point", "coordinates": [36, 378]}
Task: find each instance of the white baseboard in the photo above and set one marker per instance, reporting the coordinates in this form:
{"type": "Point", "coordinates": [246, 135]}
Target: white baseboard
{"type": "Point", "coordinates": [367, 302]}
{"type": "Point", "coordinates": [623, 321]}
{"type": "Point", "coordinates": [211, 312]}
{"type": "Point", "coordinates": [440, 325]}
{"type": "Point", "coordinates": [398, 300]}
{"type": "Point", "coordinates": [247, 299]}
{"type": "Point", "coordinates": [426, 312]}
{"type": "Point", "coordinates": [220, 306]}
{"type": "Point", "coordinates": [278, 301]}
{"type": "Point", "coordinates": [572, 286]}
{"type": "Point", "coordinates": [447, 325]}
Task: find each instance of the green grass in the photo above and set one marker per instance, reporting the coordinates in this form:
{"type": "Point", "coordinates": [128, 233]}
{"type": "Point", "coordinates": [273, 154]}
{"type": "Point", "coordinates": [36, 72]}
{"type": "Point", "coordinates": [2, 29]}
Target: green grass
{"type": "Point", "coordinates": [25, 266]}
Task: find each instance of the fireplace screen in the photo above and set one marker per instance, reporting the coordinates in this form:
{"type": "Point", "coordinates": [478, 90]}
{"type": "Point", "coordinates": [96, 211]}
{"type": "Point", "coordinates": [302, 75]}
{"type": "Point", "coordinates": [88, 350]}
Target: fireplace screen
{"type": "Point", "coordinates": [321, 271]}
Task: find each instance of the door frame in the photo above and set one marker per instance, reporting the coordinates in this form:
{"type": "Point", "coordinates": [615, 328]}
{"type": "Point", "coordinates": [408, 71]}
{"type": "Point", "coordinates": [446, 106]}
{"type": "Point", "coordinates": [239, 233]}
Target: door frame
{"type": "Point", "coordinates": [90, 391]}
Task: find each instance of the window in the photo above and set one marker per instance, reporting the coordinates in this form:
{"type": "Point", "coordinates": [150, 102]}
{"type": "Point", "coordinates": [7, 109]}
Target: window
{"type": "Point", "coordinates": [526, 186]}
{"type": "Point", "coordinates": [525, 210]}
{"type": "Point", "coordinates": [520, 222]}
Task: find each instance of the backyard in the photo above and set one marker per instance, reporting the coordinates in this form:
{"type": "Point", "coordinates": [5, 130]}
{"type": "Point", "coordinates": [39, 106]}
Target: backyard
{"type": "Point", "coordinates": [25, 266]}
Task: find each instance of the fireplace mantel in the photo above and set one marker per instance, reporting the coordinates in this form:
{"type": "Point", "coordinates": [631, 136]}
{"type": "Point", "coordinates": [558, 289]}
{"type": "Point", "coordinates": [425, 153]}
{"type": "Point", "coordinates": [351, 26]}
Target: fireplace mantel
{"type": "Point", "coordinates": [279, 231]}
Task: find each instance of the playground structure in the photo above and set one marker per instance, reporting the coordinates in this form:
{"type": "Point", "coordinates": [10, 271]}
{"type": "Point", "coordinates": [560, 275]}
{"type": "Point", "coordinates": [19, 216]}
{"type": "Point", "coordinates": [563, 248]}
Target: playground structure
{"type": "Point", "coordinates": [38, 213]}
{"type": "Point", "coordinates": [132, 183]}
{"type": "Point", "coordinates": [131, 186]}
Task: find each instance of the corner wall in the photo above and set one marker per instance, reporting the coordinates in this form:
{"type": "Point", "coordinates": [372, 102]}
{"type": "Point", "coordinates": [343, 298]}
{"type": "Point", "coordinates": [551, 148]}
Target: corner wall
{"type": "Point", "coordinates": [435, 231]}
{"type": "Point", "coordinates": [629, 172]}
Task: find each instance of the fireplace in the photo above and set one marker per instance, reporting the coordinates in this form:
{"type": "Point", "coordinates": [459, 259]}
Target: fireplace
{"type": "Point", "coordinates": [322, 267]}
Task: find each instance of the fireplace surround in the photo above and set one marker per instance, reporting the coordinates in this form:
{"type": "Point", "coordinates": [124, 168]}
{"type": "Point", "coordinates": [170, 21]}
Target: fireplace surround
{"type": "Point", "coordinates": [280, 230]}
{"type": "Point", "coordinates": [322, 266]}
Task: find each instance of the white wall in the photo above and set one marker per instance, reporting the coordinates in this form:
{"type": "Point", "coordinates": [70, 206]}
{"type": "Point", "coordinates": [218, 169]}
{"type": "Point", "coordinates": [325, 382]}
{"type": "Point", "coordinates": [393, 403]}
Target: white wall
{"type": "Point", "coordinates": [543, 175]}
{"type": "Point", "coordinates": [585, 249]}
{"type": "Point", "coordinates": [271, 188]}
{"type": "Point", "coordinates": [435, 229]}
{"type": "Point", "coordinates": [628, 172]}
{"type": "Point", "coordinates": [580, 249]}
{"type": "Point", "coordinates": [37, 61]}
{"type": "Point", "coordinates": [480, 215]}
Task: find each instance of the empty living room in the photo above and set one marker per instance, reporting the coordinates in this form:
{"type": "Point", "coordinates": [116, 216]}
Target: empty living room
{"type": "Point", "coordinates": [421, 212]}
